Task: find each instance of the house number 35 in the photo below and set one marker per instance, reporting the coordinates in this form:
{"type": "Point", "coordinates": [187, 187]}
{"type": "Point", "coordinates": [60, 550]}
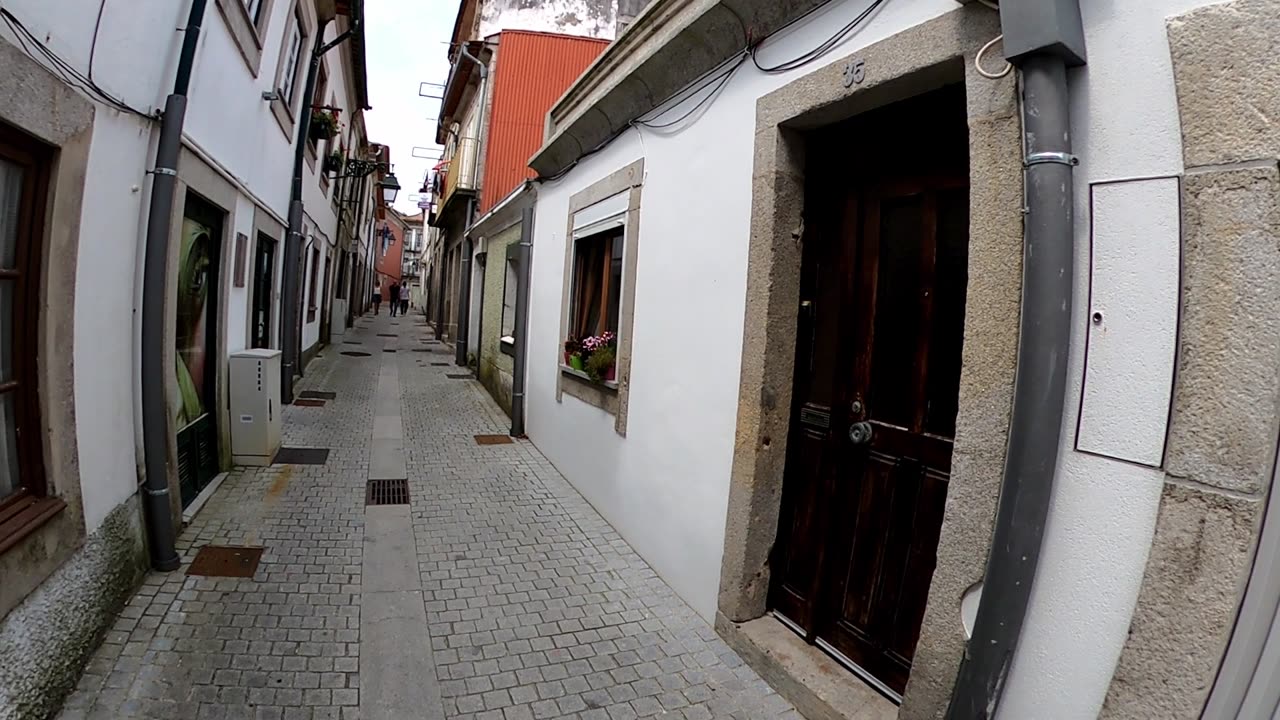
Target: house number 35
{"type": "Point", "coordinates": [854, 72]}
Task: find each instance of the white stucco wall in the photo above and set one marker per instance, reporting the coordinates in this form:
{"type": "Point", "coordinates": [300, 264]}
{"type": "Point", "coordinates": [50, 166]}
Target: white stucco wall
{"type": "Point", "coordinates": [665, 486]}
{"type": "Point", "coordinates": [226, 119]}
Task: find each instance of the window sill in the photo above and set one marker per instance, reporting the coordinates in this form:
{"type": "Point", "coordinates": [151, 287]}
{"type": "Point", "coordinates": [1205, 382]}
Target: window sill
{"type": "Point", "coordinates": [284, 116]}
{"type": "Point", "coordinates": [611, 384]}
{"type": "Point", "coordinates": [24, 516]}
{"type": "Point", "coordinates": [508, 347]}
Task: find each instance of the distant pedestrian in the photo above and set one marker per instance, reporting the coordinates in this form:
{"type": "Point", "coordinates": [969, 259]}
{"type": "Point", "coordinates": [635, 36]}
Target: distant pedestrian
{"type": "Point", "coordinates": [404, 299]}
{"type": "Point", "coordinates": [377, 296]}
{"type": "Point", "coordinates": [394, 299]}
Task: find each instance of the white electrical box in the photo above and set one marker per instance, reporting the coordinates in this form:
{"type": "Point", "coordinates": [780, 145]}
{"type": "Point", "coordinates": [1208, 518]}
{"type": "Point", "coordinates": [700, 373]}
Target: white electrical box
{"type": "Point", "coordinates": [255, 406]}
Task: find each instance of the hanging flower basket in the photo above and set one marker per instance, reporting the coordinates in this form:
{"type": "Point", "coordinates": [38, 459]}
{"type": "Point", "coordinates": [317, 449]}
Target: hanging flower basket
{"type": "Point", "coordinates": [324, 125]}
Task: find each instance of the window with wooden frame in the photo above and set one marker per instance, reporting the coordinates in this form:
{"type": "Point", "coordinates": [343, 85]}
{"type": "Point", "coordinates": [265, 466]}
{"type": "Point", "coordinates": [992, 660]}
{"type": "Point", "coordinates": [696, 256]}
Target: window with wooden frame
{"type": "Point", "coordinates": [24, 180]}
{"type": "Point", "coordinates": [311, 292]}
{"type": "Point", "coordinates": [287, 83]}
{"type": "Point", "coordinates": [597, 284]}
{"type": "Point", "coordinates": [254, 9]}
{"type": "Point", "coordinates": [510, 290]}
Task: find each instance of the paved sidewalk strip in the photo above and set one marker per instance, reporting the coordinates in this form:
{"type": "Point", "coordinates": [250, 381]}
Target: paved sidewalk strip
{"type": "Point", "coordinates": [532, 604]}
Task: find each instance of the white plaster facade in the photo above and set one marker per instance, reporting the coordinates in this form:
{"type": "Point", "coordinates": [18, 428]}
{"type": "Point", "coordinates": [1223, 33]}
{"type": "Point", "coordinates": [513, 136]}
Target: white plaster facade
{"type": "Point", "coordinates": [235, 154]}
{"type": "Point", "coordinates": [665, 485]}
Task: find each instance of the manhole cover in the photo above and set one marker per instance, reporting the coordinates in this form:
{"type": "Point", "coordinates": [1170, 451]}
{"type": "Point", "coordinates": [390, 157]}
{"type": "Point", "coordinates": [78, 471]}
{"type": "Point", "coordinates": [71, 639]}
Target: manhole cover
{"type": "Point", "coordinates": [387, 492]}
{"type": "Point", "coordinates": [356, 354]}
{"type": "Point", "coordinates": [460, 376]}
{"type": "Point", "coordinates": [318, 395]}
{"type": "Point", "coordinates": [301, 456]}
{"type": "Point", "coordinates": [308, 402]}
{"type": "Point", "coordinates": [388, 350]}
{"type": "Point", "coordinates": [493, 439]}
{"type": "Point", "coordinates": [225, 561]}
{"type": "Point", "coordinates": [387, 335]}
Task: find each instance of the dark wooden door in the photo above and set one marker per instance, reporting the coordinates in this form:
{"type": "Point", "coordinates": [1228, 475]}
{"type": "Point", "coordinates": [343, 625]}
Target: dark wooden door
{"type": "Point", "coordinates": [876, 387]}
{"type": "Point", "coordinates": [264, 271]}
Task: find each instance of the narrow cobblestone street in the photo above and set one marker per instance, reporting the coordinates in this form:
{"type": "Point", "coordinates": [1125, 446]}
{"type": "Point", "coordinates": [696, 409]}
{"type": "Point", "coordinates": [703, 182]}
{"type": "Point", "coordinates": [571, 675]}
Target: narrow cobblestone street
{"type": "Point", "coordinates": [535, 607]}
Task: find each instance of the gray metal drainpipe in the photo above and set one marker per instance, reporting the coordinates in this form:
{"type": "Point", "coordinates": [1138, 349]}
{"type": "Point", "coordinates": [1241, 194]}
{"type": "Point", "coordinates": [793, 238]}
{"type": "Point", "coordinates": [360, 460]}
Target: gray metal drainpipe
{"type": "Point", "coordinates": [155, 412]}
{"type": "Point", "coordinates": [1041, 37]}
{"type": "Point", "coordinates": [464, 289]}
{"type": "Point", "coordinates": [522, 324]}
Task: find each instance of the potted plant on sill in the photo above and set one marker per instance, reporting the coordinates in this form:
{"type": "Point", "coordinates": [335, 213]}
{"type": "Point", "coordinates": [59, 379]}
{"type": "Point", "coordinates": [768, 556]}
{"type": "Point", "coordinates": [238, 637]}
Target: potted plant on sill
{"type": "Point", "coordinates": [573, 353]}
{"type": "Point", "coordinates": [599, 356]}
{"type": "Point", "coordinates": [333, 163]}
{"type": "Point", "coordinates": [324, 125]}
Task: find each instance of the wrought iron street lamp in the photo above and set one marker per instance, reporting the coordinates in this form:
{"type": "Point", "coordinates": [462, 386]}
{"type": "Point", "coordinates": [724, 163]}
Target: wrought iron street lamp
{"type": "Point", "coordinates": [390, 186]}
{"type": "Point", "coordinates": [363, 168]}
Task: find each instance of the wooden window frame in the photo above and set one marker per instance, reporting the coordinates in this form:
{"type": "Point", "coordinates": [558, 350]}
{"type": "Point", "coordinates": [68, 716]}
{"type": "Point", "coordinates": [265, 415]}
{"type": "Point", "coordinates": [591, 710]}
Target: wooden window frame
{"type": "Point", "coordinates": [284, 106]}
{"type": "Point", "coordinates": [615, 237]}
{"type": "Point", "coordinates": [31, 504]}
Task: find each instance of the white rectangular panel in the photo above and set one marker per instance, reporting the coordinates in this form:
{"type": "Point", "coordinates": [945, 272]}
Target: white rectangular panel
{"type": "Point", "coordinates": [1132, 319]}
{"type": "Point", "coordinates": [611, 207]}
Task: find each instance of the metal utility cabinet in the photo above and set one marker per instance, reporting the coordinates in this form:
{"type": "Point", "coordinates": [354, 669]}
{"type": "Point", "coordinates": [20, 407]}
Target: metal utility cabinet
{"type": "Point", "coordinates": [255, 406]}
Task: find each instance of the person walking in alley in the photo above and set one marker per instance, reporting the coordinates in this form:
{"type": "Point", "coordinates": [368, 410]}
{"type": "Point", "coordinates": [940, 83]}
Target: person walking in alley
{"type": "Point", "coordinates": [394, 299]}
{"type": "Point", "coordinates": [404, 299]}
{"type": "Point", "coordinates": [377, 296]}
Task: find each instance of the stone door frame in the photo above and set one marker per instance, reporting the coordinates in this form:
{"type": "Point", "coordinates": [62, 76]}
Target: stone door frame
{"type": "Point", "coordinates": [919, 59]}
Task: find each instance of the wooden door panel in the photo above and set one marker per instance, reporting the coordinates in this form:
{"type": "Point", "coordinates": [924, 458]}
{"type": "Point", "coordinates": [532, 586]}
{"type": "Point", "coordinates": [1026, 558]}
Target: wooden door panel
{"type": "Point", "coordinates": [797, 562]}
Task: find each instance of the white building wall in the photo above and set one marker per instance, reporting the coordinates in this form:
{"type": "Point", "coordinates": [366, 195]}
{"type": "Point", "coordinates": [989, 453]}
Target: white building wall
{"type": "Point", "coordinates": [665, 486]}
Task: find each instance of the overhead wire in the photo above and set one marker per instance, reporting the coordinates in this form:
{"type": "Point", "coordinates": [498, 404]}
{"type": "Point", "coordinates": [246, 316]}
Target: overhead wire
{"type": "Point", "coordinates": [721, 79]}
{"type": "Point", "coordinates": [36, 49]}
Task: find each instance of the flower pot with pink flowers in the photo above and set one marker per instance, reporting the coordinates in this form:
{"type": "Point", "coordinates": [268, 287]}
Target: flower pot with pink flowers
{"type": "Point", "coordinates": [600, 357]}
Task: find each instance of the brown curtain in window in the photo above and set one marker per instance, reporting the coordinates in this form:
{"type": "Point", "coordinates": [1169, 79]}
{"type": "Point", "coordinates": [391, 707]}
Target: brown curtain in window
{"type": "Point", "coordinates": [591, 282]}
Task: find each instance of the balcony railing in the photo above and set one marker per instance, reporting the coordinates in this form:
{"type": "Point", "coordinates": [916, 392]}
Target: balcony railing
{"type": "Point", "coordinates": [461, 174]}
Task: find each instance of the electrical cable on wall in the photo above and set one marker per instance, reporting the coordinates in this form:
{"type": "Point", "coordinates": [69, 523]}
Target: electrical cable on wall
{"type": "Point", "coordinates": [36, 49]}
{"type": "Point", "coordinates": [977, 61]}
{"type": "Point", "coordinates": [721, 79]}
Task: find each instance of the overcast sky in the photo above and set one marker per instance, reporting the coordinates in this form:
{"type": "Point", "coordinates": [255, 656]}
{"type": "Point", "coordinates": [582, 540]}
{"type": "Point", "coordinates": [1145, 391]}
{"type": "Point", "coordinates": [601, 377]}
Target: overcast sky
{"type": "Point", "coordinates": [406, 44]}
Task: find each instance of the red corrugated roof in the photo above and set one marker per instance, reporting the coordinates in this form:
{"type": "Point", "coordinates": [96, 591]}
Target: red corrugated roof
{"type": "Point", "coordinates": [533, 71]}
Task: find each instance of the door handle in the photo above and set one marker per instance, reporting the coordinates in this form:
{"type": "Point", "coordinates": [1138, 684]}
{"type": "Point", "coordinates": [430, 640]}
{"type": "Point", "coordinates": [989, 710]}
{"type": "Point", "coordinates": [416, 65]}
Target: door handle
{"type": "Point", "coordinates": [860, 433]}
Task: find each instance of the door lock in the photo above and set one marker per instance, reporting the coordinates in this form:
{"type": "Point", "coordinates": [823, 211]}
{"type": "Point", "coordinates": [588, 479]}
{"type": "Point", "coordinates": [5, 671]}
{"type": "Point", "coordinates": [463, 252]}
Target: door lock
{"type": "Point", "coordinates": [860, 433]}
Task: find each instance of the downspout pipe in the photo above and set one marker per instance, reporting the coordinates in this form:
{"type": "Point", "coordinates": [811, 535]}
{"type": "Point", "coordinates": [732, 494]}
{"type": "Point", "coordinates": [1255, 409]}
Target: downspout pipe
{"type": "Point", "coordinates": [522, 324]}
{"type": "Point", "coordinates": [464, 289]}
{"type": "Point", "coordinates": [1044, 343]}
{"type": "Point", "coordinates": [291, 293]}
{"type": "Point", "coordinates": [155, 272]}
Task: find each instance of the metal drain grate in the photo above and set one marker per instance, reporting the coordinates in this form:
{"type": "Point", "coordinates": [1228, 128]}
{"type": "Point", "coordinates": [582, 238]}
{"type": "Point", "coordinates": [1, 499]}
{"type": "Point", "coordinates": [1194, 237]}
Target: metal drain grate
{"type": "Point", "coordinates": [225, 561]}
{"type": "Point", "coordinates": [421, 350]}
{"type": "Point", "coordinates": [356, 354]}
{"type": "Point", "coordinates": [439, 364]}
{"type": "Point", "coordinates": [387, 492]}
{"type": "Point", "coordinates": [352, 342]}
{"type": "Point", "coordinates": [301, 456]}
{"type": "Point", "coordinates": [458, 376]}
{"type": "Point", "coordinates": [387, 335]}
{"type": "Point", "coordinates": [388, 350]}
{"type": "Point", "coordinates": [493, 439]}
{"type": "Point", "coordinates": [318, 395]}
{"type": "Point", "coordinates": [308, 402]}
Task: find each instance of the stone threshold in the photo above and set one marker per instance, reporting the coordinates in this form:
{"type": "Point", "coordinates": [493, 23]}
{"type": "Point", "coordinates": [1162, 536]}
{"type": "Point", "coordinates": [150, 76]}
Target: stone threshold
{"type": "Point", "coordinates": [818, 686]}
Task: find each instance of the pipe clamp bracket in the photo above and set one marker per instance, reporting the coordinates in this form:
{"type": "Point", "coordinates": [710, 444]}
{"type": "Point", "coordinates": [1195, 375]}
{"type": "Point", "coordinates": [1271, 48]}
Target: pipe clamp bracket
{"type": "Point", "coordinates": [156, 493]}
{"type": "Point", "coordinates": [165, 171]}
{"type": "Point", "coordinates": [1059, 158]}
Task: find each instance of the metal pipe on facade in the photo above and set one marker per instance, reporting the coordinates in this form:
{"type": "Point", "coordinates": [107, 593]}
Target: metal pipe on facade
{"type": "Point", "coordinates": [1039, 391]}
{"type": "Point", "coordinates": [464, 290]}
{"type": "Point", "coordinates": [522, 323]}
{"type": "Point", "coordinates": [155, 411]}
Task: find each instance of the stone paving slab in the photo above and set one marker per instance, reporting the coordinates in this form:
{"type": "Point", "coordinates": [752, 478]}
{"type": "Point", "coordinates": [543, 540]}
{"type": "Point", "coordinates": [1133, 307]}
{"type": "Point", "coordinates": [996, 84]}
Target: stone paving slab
{"type": "Point", "coordinates": [533, 605]}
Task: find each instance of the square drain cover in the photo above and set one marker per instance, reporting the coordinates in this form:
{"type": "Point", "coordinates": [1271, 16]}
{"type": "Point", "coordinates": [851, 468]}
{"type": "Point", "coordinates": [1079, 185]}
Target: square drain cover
{"type": "Point", "coordinates": [308, 402]}
{"type": "Point", "coordinates": [318, 395]}
{"type": "Point", "coordinates": [493, 439]}
{"type": "Point", "coordinates": [387, 492]}
{"type": "Point", "coordinates": [225, 561]}
{"type": "Point", "coordinates": [301, 456]}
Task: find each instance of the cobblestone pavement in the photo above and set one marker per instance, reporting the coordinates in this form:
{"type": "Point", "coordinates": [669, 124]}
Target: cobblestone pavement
{"type": "Point", "coordinates": [536, 607]}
